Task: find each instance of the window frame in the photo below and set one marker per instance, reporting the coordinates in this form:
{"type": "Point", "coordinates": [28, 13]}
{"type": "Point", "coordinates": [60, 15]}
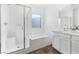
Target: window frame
{"type": "Point", "coordinates": [39, 21]}
{"type": "Point", "coordinates": [39, 11]}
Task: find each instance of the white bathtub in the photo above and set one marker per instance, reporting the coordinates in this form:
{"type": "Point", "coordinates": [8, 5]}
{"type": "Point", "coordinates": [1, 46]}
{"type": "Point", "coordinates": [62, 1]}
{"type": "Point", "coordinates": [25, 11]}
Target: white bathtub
{"type": "Point", "coordinates": [36, 43]}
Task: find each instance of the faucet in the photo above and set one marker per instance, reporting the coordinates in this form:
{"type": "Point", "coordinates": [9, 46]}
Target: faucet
{"type": "Point", "coordinates": [75, 28]}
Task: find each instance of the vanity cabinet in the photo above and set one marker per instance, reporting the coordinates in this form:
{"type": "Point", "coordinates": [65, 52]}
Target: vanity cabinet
{"type": "Point", "coordinates": [75, 45]}
{"type": "Point", "coordinates": [61, 42]}
{"type": "Point", "coordinates": [65, 45]}
{"type": "Point", "coordinates": [56, 43]}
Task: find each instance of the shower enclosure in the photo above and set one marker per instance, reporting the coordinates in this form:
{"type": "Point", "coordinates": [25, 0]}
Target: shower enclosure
{"type": "Point", "coordinates": [15, 27]}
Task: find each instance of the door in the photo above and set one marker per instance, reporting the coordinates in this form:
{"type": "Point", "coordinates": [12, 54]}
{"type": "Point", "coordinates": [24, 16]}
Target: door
{"type": "Point", "coordinates": [75, 47]}
{"type": "Point", "coordinates": [65, 45]}
{"type": "Point", "coordinates": [12, 28]}
{"type": "Point", "coordinates": [56, 43]}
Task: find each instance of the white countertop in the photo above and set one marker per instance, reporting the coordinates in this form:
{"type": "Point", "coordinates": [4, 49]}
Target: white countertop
{"type": "Point", "coordinates": [68, 32]}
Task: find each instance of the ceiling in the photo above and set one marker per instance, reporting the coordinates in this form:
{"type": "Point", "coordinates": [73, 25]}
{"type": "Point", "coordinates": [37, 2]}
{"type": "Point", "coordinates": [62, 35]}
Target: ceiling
{"type": "Point", "coordinates": [49, 5]}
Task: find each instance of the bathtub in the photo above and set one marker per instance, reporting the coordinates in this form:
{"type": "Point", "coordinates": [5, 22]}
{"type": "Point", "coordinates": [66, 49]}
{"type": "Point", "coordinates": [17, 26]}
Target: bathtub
{"type": "Point", "coordinates": [36, 42]}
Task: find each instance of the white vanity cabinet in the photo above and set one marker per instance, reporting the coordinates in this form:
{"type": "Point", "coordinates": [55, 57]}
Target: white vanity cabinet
{"type": "Point", "coordinates": [56, 43]}
{"type": "Point", "coordinates": [75, 45]}
{"type": "Point", "coordinates": [61, 42]}
{"type": "Point", "coordinates": [65, 45]}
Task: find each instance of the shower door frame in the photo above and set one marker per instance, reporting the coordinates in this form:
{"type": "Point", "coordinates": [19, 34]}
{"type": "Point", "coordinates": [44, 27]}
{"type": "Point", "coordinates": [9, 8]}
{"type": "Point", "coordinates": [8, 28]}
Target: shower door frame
{"type": "Point", "coordinates": [24, 24]}
{"type": "Point", "coordinates": [29, 25]}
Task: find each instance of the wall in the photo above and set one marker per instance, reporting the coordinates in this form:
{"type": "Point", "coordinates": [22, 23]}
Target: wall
{"type": "Point", "coordinates": [38, 11]}
{"type": "Point", "coordinates": [52, 16]}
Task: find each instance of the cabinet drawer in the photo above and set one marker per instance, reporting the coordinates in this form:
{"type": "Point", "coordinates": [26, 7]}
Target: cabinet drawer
{"type": "Point", "coordinates": [62, 35]}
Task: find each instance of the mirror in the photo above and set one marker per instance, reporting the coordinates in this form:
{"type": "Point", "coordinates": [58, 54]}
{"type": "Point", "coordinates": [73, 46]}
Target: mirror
{"type": "Point", "coordinates": [76, 17]}
{"type": "Point", "coordinates": [70, 17]}
{"type": "Point", "coordinates": [66, 17]}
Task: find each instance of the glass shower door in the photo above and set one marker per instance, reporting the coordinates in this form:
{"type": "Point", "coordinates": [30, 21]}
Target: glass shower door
{"type": "Point", "coordinates": [12, 28]}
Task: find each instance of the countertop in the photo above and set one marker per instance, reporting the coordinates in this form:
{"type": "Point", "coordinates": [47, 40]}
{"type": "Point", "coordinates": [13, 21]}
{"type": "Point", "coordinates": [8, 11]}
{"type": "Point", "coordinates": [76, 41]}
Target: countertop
{"type": "Point", "coordinates": [67, 32]}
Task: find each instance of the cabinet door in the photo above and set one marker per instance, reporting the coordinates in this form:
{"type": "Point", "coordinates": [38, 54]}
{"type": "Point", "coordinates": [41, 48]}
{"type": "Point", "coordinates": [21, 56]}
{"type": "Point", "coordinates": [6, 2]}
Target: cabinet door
{"type": "Point", "coordinates": [64, 45]}
{"type": "Point", "coordinates": [56, 43]}
{"type": "Point", "coordinates": [75, 47]}
{"type": "Point", "coordinates": [12, 18]}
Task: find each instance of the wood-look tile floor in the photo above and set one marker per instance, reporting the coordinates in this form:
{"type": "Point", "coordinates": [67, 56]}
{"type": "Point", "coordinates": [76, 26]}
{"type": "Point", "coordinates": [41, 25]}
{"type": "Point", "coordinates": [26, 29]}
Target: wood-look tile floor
{"type": "Point", "coordinates": [45, 50]}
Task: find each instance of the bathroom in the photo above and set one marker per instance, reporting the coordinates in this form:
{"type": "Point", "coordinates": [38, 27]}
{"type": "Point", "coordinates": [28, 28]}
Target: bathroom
{"type": "Point", "coordinates": [39, 28]}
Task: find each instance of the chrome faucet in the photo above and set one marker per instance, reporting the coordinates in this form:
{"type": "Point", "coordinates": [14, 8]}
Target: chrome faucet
{"type": "Point", "coordinates": [75, 28]}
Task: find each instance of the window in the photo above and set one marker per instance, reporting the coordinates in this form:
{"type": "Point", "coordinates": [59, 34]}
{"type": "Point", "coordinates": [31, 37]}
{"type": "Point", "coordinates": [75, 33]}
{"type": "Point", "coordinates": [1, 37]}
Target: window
{"type": "Point", "coordinates": [36, 21]}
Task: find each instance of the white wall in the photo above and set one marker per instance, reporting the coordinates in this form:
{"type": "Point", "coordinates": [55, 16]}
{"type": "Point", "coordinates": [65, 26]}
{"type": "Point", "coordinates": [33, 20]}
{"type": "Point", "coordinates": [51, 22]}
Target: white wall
{"type": "Point", "coordinates": [52, 16]}
{"type": "Point", "coordinates": [51, 19]}
{"type": "Point", "coordinates": [39, 11]}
